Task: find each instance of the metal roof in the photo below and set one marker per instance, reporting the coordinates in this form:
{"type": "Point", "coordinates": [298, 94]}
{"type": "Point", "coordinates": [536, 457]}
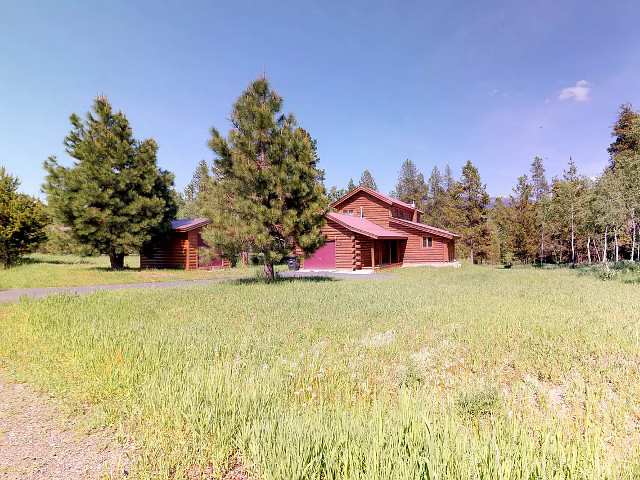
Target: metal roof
{"type": "Point", "coordinates": [364, 226]}
{"type": "Point", "coordinates": [187, 224]}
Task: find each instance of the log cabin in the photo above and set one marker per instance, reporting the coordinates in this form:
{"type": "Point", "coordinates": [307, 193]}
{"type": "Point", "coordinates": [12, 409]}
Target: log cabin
{"type": "Point", "coordinates": [181, 248]}
{"type": "Point", "coordinates": [370, 230]}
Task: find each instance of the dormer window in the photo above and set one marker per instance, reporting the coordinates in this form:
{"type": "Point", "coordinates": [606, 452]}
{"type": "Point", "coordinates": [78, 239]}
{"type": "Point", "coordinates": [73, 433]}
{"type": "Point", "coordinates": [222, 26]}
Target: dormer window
{"type": "Point", "coordinates": [347, 212]}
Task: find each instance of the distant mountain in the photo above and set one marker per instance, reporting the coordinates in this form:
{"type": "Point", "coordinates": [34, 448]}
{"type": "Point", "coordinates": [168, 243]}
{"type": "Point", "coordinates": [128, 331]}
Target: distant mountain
{"type": "Point", "coordinates": [506, 200]}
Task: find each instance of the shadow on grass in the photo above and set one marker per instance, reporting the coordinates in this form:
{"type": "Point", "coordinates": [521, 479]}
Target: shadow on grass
{"type": "Point", "coordinates": [36, 261]}
{"type": "Point", "coordinates": [279, 280]}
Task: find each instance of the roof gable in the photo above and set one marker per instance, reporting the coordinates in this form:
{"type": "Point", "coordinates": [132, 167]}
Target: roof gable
{"type": "Point", "coordinates": [380, 196]}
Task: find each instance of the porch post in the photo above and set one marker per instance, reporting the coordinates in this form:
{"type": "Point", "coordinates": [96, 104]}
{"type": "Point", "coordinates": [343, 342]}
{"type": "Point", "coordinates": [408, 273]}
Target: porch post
{"type": "Point", "coordinates": [373, 254]}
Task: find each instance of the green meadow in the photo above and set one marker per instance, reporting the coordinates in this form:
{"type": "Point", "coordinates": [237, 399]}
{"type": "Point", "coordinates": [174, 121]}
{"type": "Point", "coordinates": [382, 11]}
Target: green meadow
{"type": "Point", "coordinates": [40, 270]}
{"type": "Point", "coordinates": [471, 373]}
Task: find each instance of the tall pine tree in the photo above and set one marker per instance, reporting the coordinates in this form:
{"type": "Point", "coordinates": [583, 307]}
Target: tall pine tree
{"type": "Point", "coordinates": [266, 193]}
{"type": "Point", "coordinates": [114, 198]}
{"type": "Point", "coordinates": [540, 192]}
{"type": "Point", "coordinates": [410, 187]}
{"type": "Point", "coordinates": [523, 228]}
{"type": "Point", "coordinates": [366, 180]}
{"type": "Point", "coordinates": [474, 200]}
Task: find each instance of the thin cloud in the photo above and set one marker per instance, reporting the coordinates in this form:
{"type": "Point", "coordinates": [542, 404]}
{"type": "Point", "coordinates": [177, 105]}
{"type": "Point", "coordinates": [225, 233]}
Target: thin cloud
{"type": "Point", "coordinates": [579, 93]}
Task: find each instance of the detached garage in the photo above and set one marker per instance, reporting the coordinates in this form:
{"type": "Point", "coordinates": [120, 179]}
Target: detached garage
{"type": "Point", "coordinates": [181, 249]}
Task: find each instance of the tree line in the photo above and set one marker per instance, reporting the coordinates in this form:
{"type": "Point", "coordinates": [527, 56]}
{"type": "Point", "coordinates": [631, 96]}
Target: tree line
{"type": "Point", "coordinates": [265, 193]}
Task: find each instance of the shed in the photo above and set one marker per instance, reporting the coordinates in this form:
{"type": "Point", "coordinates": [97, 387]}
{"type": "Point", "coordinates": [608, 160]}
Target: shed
{"type": "Point", "coordinates": [181, 248]}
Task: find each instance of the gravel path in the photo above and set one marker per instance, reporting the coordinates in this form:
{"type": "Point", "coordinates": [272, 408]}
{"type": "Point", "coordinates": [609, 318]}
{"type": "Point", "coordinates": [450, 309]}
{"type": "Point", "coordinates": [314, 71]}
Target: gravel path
{"type": "Point", "coordinates": [38, 441]}
{"type": "Point", "coordinates": [33, 293]}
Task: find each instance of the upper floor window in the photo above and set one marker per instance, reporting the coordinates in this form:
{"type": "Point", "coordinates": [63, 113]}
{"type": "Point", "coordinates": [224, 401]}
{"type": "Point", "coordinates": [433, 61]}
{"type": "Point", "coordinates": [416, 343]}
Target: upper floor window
{"type": "Point", "coordinates": [347, 212]}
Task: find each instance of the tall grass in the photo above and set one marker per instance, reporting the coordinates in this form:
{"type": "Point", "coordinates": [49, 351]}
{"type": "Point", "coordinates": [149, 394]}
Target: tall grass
{"type": "Point", "coordinates": [473, 373]}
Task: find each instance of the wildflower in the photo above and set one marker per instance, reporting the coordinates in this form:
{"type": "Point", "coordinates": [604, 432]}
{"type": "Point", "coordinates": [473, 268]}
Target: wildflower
{"type": "Point", "coordinates": [319, 375]}
{"type": "Point", "coordinates": [282, 379]}
{"type": "Point", "coordinates": [294, 364]}
{"type": "Point", "coordinates": [313, 395]}
{"type": "Point", "coordinates": [304, 405]}
{"type": "Point", "coordinates": [264, 367]}
{"type": "Point", "coordinates": [353, 375]}
{"type": "Point", "coordinates": [309, 388]}
{"type": "Point", "coordinates": [317, 352]}
{"type": "Point", "coordinates": [301, 355]}
{"type": "Point", "coordinates": [296, 392]}
{"type": "Point", "coordinates": [363, 385]}
{"type": "Point", "coordinates": [291, 374]}
{"type": "Point", "coordinates": [284, 361]}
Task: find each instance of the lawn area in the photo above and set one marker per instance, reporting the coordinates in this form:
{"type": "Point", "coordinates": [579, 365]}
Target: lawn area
{"type": "Point", "coordinates": [469, 373]}
{"type": "Point", "coordinates": [38, 270]}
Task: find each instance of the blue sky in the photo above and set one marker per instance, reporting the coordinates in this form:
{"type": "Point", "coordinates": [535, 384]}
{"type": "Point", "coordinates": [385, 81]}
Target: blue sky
{"type": "Point", "coordinates": [495, 82]}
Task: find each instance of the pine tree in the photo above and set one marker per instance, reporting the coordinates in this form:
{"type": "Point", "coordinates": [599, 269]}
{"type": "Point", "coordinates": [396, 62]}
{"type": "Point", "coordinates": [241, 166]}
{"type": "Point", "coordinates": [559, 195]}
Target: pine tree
{"type": "Point", "coordinates": [500, 223]}
{"type": "Point", "coordinates": [437, 199]}
{"type": "Point", "coordinates": [188, 202]}
{"type": "Point", "coordinates": [351, 186]}
{"type": "Point", "coordinates": [366, 180]}
{"type": "Point", "coordinates": [336, 193]}
{"type": "Point", "coordinates": [623, 131]}
{"type": "Point", "coordinates": [523, 229]}
{"type": "Point", "coordinates": [266, 193]}
{"type": "Point", "coordinates": [451, 208]}
{"type": "Point", "coordinates": [22, 221]}
{"type": "Point", "coordinates": [540, 191]}
{"type": "Point", "coordinates": [411, 186]}
{"type": "Point", "coordinates": [114, 198]}
{"type": "Point", "coordinates": [474, 199]}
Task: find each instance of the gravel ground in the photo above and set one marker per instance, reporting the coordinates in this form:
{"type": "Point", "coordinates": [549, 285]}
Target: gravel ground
{"type": "Point", "coordinates": [38, 441]}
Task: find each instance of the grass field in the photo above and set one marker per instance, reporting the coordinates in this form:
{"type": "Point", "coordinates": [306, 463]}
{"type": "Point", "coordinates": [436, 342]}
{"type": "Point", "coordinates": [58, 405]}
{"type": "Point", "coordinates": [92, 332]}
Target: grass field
{"type": "Point", "coordinates": [38, 270]}
{"type": "Point", "coordinates": [470, 373]}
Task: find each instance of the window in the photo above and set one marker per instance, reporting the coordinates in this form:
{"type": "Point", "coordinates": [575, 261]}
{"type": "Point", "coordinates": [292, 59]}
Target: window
{"type": "Point", "coordinates": [430, 242]}
{"type": "Point", "coordinates": [350, 212]}
{"type": "Point", "coordinates": [427, 242]}
{"type": "Point", "coordinates": [347, 212]}
{"type": "Point", "coordinates": [424, 242]}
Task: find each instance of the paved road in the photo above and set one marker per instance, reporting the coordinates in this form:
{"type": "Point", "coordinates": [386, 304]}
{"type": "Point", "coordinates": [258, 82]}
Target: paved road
{"type": "Point", "coordinates": [33, 293]}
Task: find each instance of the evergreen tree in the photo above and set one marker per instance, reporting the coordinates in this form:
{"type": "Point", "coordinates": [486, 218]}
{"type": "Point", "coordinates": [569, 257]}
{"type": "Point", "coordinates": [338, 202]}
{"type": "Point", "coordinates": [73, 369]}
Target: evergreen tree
{"type": "Point", "coordinates": [451, 206]}
{"type": "Point", "coordinates": [351, 186]}
{"type": "Point", "coordinates": [435, 211]}
{"type": "Point", "coordinates": [523, 229]}
{"type": "Point", "coordinates": [22, 221]}
{"type": "Point", "coordinates": [114, 198]}
{"type": "Point", "coordinates": [188, 201]}
{"type": "Point", "coordinates": [540, 191]}
{"type": "Point", "coordinates": [366, 180]}
{"type": "Point", "coordinates": [336, 193]}
{"type": "Point", "coordinates": [265, 194]}
{"type": "Point", "coordinates": [623, 132]}
{"type": "Point", "coordinates": [474, 199]}
{"type": "Point", "coordinates": [411, 186]}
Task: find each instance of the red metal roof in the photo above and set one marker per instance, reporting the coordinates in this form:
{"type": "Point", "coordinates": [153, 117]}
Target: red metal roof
{"type": "Point", "coordinates": [425, 228]}
{"type": "Point", "coordinates": [187, 224]}
{"type": "Point", "coordinates": [363, 226]}
{"type": "Point", "coordinates": [381, 196]}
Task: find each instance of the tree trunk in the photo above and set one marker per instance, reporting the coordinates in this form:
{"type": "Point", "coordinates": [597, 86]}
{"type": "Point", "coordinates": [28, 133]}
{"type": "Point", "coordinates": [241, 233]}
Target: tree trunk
{"type": "Point", "coordinates": [589, 248]}
{"type": "Point", "coordinates": [633, 243]}
{"type": "Point", "coordinates": [615, 237]}
{"type": "Point", "coordinates": [117, 260]}
{"type": "Point", "coordinates": [471, 253]}
{"type": "Point", "coordinates": [604, 254]}
{"type": "Point", "coordinates": [573, 250]}
{"type": "Point", "coordinates": [268, 271]}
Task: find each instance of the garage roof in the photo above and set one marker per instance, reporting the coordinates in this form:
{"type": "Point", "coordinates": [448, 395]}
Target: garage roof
{"type": "Point", "coordinates": [363, 226]}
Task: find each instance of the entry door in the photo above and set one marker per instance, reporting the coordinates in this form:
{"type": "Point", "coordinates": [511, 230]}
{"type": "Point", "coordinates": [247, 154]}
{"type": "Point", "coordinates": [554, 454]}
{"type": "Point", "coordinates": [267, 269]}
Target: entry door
{"type": "Point", "coordinates": [322, 259]}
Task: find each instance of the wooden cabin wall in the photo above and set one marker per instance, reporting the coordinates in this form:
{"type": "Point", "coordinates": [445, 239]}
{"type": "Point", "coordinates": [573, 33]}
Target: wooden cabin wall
{"type": "Point", "coordinates": [192, 252]}
{"type": "Point", "coordinates": [373, 209]}
{"type": "Point", "coordinates": [414, 252]}
{"type": "Point", "coordinates": [173, 254]}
